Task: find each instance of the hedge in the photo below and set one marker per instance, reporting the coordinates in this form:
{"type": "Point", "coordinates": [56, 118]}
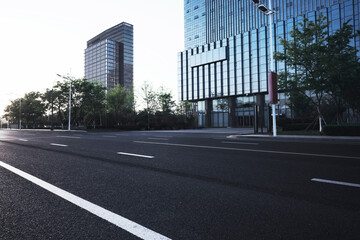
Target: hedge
{"type": "Point", "coordinates": [342, 130]}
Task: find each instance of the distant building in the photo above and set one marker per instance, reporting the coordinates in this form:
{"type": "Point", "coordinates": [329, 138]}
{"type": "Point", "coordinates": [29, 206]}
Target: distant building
{"type": "Point", "coordinates": [223, 70]}
{"type": "Point", "coordinates": [109, 57]}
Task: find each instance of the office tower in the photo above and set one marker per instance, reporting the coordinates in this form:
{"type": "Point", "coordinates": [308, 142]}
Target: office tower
{"type": "Point", "coordinates": [109, 57]}
{"type": "Point", "coordinates": [224, 68]}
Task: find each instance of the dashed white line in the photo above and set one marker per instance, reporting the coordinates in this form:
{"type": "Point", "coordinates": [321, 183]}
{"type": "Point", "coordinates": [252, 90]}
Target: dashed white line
{"type": "Point", "coordinates": [68, 137]}
{"type": "Point", "coordinates": [134, 155]}
{"type": "Point", "coordinates": [122, 222]}
{"type": "Point", "coordinates": [336, 182]}
{"type": "Point", "coordinates": [23, 140]}
{"type": "Point", "coordinates": [248, 150]}
{"type": "Point", "coordinates": [120, 134]}
{"type": "Point", "coordinates": [162, 139]}
{"type": "Point", "coordinates": [58, 145]}
{"type": "Point", "coordinates": [244, 143]}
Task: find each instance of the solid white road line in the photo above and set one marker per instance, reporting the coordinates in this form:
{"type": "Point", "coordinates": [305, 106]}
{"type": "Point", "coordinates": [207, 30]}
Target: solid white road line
{"type": "Point", "coordinates": [244, 143]}
{"type": "Point", "coordinates": [135, 155]}
{"type": "Point", "coordinates": [23, 140]}
{"type": "Point", "coordinates": [68, 137]}
{"type": "Point", "coordinates": [163, 139]}
{"type": "Point", "coordinates": [59, 145]}
{"type": "Point", "coordinates": [126, 224]}
{"type": "Point", "coordinates": [336, 182]}
{"type": "Point", "coordinates": [247, 150]}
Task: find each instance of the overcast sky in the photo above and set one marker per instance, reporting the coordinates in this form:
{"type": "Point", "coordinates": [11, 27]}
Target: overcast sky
{"type": "Point", "coordinates": [40, 38]}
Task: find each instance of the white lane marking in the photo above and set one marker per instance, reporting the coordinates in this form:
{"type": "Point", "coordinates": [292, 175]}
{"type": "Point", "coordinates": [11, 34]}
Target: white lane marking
{"type": "Point", "coordinates": [244, 143]}
{"type": "Point", "coordinates": [68, 137]}
{"type": "Point", "coordinates": [335, 182]}
{"type": "Point", "coordinates": [59, 145]}
{"type": "Point", "coordinates": [248, 150]}
{"type": "Point", "coordinates": [23, 140]}
{"type": "Point", "coordinates": [126, 224]}
{"type": "Point", "coordinates": [163, 139]}
{"type": "Point", "coordinates": [134, 155]}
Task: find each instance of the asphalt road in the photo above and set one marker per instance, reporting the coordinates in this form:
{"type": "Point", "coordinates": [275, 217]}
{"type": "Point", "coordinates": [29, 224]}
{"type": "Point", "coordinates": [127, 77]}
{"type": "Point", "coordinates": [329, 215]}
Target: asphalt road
{"type": "Point", "coordinates": [177, 185]}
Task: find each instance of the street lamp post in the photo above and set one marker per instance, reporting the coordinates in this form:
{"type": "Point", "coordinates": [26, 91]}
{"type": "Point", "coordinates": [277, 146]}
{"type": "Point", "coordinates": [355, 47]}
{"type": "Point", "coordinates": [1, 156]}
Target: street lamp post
{"type": "Point", "coordinates": [68, 78]}
{"type": "Point", "coordinates": [52, 109]}
{"type": "Point", "coordinates": [269, 12]}
{"type": "Point", "coordinates": [20, 115]}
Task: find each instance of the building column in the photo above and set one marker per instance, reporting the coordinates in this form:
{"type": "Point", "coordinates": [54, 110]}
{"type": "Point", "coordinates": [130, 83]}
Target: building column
{"type": "Point", "coordinates": [208, 110]}
{"type": "Point", "coordinates": [259, 113]}
{"type": "Point", "coordinates": [232, 106]}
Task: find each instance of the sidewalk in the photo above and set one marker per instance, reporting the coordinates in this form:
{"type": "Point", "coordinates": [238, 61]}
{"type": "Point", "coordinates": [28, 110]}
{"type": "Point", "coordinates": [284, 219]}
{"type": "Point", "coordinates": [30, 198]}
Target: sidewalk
{"type": "Point", "coordinates": [234, 131]}
{"type": "Point", "coordinates": [297, 137]}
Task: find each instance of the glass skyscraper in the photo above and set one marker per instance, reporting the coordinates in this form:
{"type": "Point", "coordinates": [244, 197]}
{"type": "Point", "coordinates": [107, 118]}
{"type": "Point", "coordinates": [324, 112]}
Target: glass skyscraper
{"type": "Point", "coordinates": [109, 57]}
{"type": "Point", "coordinates": [223, 70]}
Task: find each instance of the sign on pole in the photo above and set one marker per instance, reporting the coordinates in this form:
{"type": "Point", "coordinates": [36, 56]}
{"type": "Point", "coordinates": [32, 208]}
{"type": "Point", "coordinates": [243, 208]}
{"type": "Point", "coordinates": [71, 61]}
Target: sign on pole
{"type": "Point", "coordinates": [273, 89]}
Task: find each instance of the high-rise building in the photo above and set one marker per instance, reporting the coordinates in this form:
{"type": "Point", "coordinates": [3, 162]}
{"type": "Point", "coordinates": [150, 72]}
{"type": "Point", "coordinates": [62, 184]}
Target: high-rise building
{"type": "Point", "coordinates": [223, 70]}
{"type": "Point", "coordinates": [109, 57]}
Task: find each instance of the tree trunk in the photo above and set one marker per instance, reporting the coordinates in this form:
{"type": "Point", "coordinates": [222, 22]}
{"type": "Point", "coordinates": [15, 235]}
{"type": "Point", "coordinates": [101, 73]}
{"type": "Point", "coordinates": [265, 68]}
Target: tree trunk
{"type": "Point", "coordinates": [320, 118]}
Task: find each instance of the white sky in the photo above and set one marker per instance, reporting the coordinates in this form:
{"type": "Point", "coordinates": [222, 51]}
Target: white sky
{"type": "Point", "coordinates": [40, 38]}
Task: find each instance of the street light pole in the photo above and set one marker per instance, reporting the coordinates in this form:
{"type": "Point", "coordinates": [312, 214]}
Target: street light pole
{"type": "Point", "coordinates": [20, 116]}
{"type": "Point", "coordinates": [52, 109]}
{"type": "Point", "coordinates": [269, 12]}
{"type": "Point", "coordinates": [68, 78]}
{"type": "Point", "coordinates": [272, 65]}
{"type": "Point", "coordinates": [69, 128]}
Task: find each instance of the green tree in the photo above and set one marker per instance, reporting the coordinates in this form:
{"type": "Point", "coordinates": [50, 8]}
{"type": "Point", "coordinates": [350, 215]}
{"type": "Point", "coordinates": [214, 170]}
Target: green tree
{"type": "Point", "coordinates": [93, 102]}
{"type": "Point", "coordinates": [305, 55]}
{"type": "Point", "coordinates": [29, 109]}
{"type": "Point", "coordinates": [343, 70]}
{"type": "Point", "coordinates": [32, 108]}
{"type": "Point", "coordinates": [165, 100]}
{"type": "Point", "coordinates": [149, 97]}
{"type": "Point", "coordinates": [120, 102]}
{"type": "Point", "coordinates": [60, 98]}
{"type": "Point", "coordinates": [12, 111]}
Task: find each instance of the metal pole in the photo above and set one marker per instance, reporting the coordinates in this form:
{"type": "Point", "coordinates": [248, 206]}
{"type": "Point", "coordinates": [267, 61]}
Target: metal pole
{"type": "Point", "coordinates": [69, 128]}
{"type": "Point", "coordinates": [148, 120]}
{"type": "Point", "coordinates": [272, 64]}
{"type": "Point", "coordinates": [20, 116]}
{"type": "Point", "coordinates": [52, 109]}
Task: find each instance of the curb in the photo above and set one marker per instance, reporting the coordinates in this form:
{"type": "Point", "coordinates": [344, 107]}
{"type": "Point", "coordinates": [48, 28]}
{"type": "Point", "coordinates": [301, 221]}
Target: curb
{"type": "Point", "coordinates": [297, 137]}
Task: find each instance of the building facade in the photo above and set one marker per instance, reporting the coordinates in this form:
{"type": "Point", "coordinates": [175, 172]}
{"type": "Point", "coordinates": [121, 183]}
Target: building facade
{"type": "Point", "coordinates": [109, 57]}
{"type": "Point", "coordinates": [223, 70]}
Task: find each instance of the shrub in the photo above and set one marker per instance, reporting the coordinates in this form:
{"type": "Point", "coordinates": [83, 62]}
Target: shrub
{"type": "Point", "coordinates": [342, 130]}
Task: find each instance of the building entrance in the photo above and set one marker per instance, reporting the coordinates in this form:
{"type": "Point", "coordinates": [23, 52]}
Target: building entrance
{"type": "Point", "coordinates": [245, 116]}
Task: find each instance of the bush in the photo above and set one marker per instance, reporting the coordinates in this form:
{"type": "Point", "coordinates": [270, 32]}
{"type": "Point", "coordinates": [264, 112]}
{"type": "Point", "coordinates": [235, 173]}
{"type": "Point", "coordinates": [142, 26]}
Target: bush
{"type": "Point", "coordinates": [342, 130]}
{"type": "Point", "coordinates": [298, 126]}
{"type": "Point", "coordinates": [294, 124]}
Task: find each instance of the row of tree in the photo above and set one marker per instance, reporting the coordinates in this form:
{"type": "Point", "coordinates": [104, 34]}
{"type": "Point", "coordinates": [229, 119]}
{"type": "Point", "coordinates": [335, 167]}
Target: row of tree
{"type": "Point", "coordinates": [322, 72]}
{"type": "Point", "coordinates": [92, 106]}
